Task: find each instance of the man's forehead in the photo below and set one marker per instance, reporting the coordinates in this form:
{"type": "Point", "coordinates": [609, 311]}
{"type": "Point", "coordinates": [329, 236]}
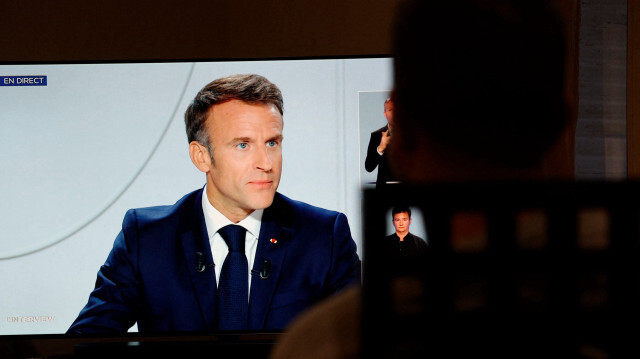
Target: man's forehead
{"type": "Point", "coordinates": [236, 110]}
{"type": "Point", "coordinates": [405, 214]}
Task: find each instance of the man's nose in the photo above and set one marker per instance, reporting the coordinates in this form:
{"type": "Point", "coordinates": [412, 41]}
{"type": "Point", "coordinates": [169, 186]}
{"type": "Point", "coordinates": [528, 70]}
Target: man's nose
{"type": "Point", "coordinates": [263, 160]}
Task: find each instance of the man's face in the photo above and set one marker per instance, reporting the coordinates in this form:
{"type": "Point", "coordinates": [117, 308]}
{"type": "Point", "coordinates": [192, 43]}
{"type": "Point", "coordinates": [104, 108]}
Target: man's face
{"type": "Point", "coordinates": [246, 142]}
{"type": "Point", "coordinates": [388, 112]}
{"type": "Point", "coordinates": [401, 221]}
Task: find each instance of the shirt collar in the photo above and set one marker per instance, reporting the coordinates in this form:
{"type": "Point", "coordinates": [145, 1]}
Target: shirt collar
{"type": "Point", "coordinates": [214, 220]}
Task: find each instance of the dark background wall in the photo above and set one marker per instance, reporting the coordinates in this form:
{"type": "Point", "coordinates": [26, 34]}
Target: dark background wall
{"type": "Point", "coordinates": [112, 30]}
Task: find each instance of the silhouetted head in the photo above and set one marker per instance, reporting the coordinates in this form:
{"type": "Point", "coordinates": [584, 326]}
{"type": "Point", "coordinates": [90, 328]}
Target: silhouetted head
{"type": "Point", "coordinates": [476, 83]}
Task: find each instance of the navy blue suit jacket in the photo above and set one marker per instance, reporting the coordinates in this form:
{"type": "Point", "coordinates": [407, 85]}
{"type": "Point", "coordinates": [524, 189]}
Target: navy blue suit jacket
{"type": "Point", "coordinates": [151, 277]}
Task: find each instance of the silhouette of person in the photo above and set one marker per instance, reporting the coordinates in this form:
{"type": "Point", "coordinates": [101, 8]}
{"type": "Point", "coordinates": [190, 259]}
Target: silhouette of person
{"type": "Point", "coordinates": [478, 95]}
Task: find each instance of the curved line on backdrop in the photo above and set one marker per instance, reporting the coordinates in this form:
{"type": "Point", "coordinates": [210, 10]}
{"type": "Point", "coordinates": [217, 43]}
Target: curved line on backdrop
{"type": "Point", "coordinates": [126, 187]}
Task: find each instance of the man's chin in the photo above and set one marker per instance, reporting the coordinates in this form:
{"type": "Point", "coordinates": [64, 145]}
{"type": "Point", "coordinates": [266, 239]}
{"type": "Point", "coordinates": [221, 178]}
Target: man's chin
{"type": "Point", "coordinates": [264, 201]}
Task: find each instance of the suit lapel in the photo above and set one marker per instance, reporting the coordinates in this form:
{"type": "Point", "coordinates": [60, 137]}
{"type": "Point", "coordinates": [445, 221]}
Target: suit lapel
{"type": "Point", "coordinates": [194, 239]}
{"type": "Point", "coordinates": [274, 237]}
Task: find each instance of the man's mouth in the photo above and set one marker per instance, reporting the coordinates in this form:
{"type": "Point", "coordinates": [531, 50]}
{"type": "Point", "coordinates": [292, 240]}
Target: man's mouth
{"type": "Point", "coordinates": [261, 184]}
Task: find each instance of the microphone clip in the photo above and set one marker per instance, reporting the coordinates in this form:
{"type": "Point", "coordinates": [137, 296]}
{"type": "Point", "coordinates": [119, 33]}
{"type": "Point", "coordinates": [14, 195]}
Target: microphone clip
{"type": "Point", "coordinates": [200, 265]}
{"type": "Point", "coordinates": [265, 269]}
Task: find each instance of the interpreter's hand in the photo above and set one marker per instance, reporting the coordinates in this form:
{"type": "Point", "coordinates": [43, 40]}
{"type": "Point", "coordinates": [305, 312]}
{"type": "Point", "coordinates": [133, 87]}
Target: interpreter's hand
{"type": "Point", "coordinates": [384, 140]}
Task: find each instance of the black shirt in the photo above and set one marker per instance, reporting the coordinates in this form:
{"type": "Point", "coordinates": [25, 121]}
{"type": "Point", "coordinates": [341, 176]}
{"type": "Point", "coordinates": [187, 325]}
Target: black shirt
{"type": "Point", "coordinates": [411, 244]}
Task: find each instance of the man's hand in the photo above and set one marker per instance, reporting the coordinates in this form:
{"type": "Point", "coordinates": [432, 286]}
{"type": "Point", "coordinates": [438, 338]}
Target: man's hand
{"type": "Point", "coordinates": [384, 141]}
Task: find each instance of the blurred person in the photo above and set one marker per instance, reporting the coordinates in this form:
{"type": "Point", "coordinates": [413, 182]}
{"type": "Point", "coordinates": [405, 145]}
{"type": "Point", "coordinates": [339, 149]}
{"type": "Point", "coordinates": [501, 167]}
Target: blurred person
{"type": "Point", "coordinates": [377, 155]}
{"type": "Point", "coordinates": [479, 94]}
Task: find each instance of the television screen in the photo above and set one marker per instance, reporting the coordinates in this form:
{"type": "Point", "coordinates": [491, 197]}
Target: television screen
{"type": "Point", "coordinates": [81, 143]}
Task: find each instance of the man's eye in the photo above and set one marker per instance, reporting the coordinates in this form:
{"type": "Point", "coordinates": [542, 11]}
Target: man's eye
{"type": "Point", "coordinates": [242, 145]}
{"type": "Point", "coordinates": [272, 143]}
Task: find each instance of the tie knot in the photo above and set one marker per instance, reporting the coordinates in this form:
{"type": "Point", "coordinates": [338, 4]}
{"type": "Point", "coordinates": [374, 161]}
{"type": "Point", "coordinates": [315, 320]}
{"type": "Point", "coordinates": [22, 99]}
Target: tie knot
{"type": "Point", "coordinates": [233, 235]}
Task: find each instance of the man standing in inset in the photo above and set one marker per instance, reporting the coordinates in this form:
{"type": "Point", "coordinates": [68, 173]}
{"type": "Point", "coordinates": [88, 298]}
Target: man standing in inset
{"type": "Point", "coordinates": [402, 241]}
{"type": "Point", "coordinates": [378, 143]}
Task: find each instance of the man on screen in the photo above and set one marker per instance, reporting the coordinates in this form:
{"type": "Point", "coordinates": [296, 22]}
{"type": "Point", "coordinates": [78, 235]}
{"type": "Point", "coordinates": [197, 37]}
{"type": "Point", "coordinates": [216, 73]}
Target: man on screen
{"type": "Point", "coordinates": [380, 140]}
{"type": "Point", "coordinates": [235, 255]}
{"type": "Point", "coordinates": [403, 242]}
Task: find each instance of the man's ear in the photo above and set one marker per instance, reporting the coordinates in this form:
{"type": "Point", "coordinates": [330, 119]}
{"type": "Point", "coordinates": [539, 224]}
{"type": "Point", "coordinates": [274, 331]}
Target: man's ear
{"type": "Point", "coordinates": [200, 156]}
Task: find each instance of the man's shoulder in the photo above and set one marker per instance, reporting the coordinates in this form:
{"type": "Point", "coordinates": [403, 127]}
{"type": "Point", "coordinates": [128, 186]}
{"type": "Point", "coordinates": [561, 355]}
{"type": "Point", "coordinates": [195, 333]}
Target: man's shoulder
{"type": "Point", "coordinates": [294, 213]}
{"type": "Point", "coordinates": [418, 239]}
{"type": "Point", "coordinates": [380, 130]}
{"type": "Point", "coordinates": [311, 226]}
{"type": "Point", "coordinates": [165, 212]}
{"type": "Point", "coordinates": [284, 203]}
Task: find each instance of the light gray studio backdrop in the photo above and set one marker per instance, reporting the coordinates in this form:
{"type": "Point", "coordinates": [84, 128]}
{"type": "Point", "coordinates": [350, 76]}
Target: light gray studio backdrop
{"type": "Point", "coordinates": [102, 138]}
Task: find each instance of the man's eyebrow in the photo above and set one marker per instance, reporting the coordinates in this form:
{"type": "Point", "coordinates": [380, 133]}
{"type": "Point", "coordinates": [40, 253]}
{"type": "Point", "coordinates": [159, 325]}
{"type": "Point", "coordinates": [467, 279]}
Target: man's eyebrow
{"type": "Point", "coordinates": [248, 139]}
{"type": "Point", "coordinates": [240, 139]}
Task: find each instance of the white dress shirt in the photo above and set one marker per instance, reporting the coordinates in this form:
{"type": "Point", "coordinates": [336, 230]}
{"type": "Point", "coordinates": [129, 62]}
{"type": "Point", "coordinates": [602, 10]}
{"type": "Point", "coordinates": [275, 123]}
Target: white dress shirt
{"type": "Point", "coordinates": [214, 220]}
